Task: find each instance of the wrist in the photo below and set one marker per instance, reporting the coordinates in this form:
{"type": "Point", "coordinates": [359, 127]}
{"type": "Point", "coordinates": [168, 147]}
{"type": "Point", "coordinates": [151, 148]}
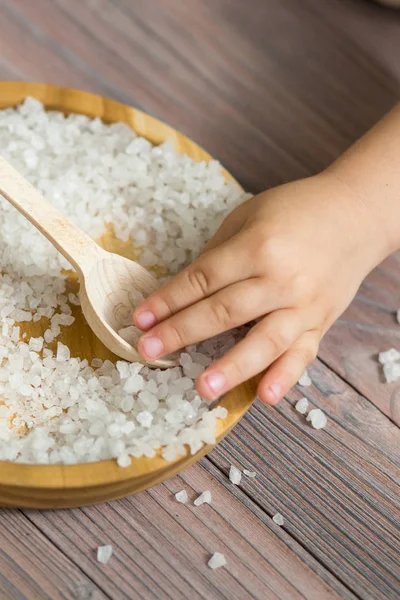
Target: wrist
{"type": "Point", "coordinates": [370, 170]}
{"type": "Point", "coordinates": [368, 241]}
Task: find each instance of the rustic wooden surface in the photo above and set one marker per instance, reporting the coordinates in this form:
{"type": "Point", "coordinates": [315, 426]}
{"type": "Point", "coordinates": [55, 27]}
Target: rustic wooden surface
{"type": "Point", "coordinates": [276, 89]}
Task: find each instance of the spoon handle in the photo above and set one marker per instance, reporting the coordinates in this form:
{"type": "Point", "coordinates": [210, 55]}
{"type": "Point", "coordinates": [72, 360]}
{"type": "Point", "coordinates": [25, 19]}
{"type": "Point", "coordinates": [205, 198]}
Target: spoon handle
{"type": "Point", "coordinates": [77, 247]}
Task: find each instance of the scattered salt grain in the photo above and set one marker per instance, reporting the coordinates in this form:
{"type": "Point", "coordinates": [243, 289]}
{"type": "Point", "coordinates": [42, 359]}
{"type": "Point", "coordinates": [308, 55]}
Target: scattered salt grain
{"type": "Point", "coordinates": [302, 406]}
{"type": "Point", "coordinates": [398, 316]}
{"type": "Point", "coordinates": [391, 371]}
{"type": "Point", "coordinates": [235, 475]}
{"type": "Point", "coordinates": [305, 380]}
{"type": "Point", "coordinates": [217, 560]}
{"type": "Point", "coordinates": [317, 418]}
{"type": "Point", "coordinates": [104, 553]}
{"type": "Point", "coordinates": [182, 497]}
{"type": "Point", "coordinates": [278, 519]}
{"type": "Point", "coordinates": [205, 497]}
{"type": "Point", "coordinates": [389, 356]}
{"type": "Point", "coordinates": [248, 473]}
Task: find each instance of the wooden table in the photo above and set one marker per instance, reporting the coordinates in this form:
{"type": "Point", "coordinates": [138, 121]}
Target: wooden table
{"type": "Point", "coordinates": [276, 89]}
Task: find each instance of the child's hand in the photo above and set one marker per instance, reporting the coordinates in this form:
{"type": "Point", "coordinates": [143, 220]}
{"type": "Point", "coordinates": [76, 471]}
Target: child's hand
{"type": "Point", "coordinates": [292, 257]}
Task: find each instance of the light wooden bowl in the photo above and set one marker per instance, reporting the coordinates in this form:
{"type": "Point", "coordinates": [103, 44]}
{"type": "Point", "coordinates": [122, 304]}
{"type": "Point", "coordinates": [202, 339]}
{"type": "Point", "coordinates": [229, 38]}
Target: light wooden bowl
{"type": "Point", "coordinates": [57, 486]}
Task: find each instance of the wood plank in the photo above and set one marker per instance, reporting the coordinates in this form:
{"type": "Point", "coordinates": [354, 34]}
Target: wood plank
{"type": "Point", "coordinates": [21, 39]}
{"type": "Point", "coordinates": [176, 61]}
{"type": "Point", "coordinates": [165, 546]}
{"type": "Point", "coordinates": [369, 326]}
{"type": "Point", "coordinates": [252, 87]}
{"type": "Point", "coordinates": [337, 488]}
{"type": "Point", "coordinates": [32, 568]}
{"type": "Point", "coordinates": [375, 29]}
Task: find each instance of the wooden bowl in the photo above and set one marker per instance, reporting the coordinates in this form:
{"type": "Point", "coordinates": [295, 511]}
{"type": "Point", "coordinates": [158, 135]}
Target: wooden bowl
{"type": "Point", "coordinates": [58, 486]}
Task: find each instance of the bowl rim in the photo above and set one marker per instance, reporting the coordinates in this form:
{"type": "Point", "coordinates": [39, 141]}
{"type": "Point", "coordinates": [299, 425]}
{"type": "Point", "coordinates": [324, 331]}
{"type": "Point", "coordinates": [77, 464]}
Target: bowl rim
{"type": "Point", "coordinates": [237, 402]}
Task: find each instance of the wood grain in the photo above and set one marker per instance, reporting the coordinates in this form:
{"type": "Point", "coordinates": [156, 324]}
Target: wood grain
{"type": "Point", "coordinates": [276, 89]}
{"type": "Point", "coordinates": [177, 551]}
{"type": "Point", "coordinates": [337, 488]}
{"type": "Point", "coordinates": [368, 327]}
{"type": "Point", "coordinates": [32, 568]}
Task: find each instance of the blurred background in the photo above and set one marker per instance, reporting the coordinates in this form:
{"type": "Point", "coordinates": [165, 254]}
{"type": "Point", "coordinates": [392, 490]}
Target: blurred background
{"type": "Point", "coordinates": [275, 89]}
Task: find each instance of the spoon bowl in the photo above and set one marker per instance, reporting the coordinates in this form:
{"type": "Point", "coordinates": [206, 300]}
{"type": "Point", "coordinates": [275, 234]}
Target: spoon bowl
{"type": "Point", "coordinates": [110, 288]}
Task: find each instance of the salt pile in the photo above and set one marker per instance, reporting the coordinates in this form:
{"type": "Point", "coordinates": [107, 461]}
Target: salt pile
{"type": "Point", "coordinates": [63, 410]}
{"type": "Point", "coordinates": [217, 560]}
{"type": "Point", "coordinates": [104, 554]}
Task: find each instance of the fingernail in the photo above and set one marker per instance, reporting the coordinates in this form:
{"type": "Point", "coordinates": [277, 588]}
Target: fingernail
{"type": "Point", "coordinates": [215, 381]}
{"type": "Point", "coordinates": [152, 346]}
{"type": "Point", "coordinates": [273, 393]}
{"type": "Point", "coordinates": [145, 319]}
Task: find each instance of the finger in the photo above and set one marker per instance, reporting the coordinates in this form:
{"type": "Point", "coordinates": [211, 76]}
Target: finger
{"type": "Point", "coordinates": [212, 271]}
{"type": "Point", "coordinates": [231, 307]}
{"type": "Point", "coordinates": [231, 225]}
{"type": "Point", "coordinates": [268, 340]}
{"type": "Point", "coordinates": [285, 372]}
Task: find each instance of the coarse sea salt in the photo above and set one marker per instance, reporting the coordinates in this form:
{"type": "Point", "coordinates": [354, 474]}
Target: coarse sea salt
{"type": "Point", "coordinates": [251, 474]}
{"type": "Point", "coordinates": [235, 475]}
{"type": "Point", "coordinates": [204, 498]}
{"type": "Point", "coordinates": [167, 206]}
{"type": "Point", "coordinates": [217, 560]}
{"type": "Point", "coordinates": [305, 380]}
{"type": "Point", "coordinates": [317, 418]}
{"type": "Point", "coordinates": [181, 496]}
{"type": "Point", "coordinates": [104, 553]}
{"type": "Point", "coordinates": [278, 519]}
{"type": "Point", "coordinates": [302, 406]}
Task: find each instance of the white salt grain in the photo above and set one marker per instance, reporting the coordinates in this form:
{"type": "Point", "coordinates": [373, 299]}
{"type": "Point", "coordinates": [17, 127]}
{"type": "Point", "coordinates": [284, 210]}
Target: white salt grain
{"type": "Point", "coordinates": [124, 460]}
{"type": "Point", "coordinates": [181, 497]}
{"type": "Point", "coordinates": [205, 497]}
{"type": "Point", "coordinates": [389, 356]}
{"type": "Point", "coordinates": [391, 371]}
{"type": "Point", "coordinates": [248, 473]}
{"type": "Point", "coordinates": [302, 406]}
{"type": "Point", "coordinates": [235, 475]}
{"type": "Point", "coordinates": [317, 418]}
{"type": "Point", "coordinates": [278, 519]}
{"type": "Point", "coordinates": [104, 553]}
{"type": "Point", "coordinates": [63, 353]}
{"type": "Point", "coordinates": [217, 560]}
{"type": "Point", "coordinates": [398, 316]}
{"type": "Point", "coordinates": [305, 380]}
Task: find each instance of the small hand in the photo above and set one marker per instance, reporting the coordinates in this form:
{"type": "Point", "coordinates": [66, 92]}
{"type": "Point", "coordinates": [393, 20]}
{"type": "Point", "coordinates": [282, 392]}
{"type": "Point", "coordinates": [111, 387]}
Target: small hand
{"type": "Point", "coordinates": [291, 258]}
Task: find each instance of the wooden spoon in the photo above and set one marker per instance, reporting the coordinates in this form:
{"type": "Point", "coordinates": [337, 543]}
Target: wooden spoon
{"type": "Point", "coordinates": [108, 282]}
